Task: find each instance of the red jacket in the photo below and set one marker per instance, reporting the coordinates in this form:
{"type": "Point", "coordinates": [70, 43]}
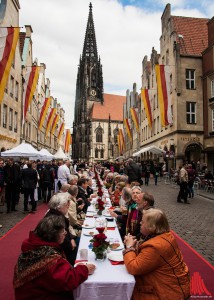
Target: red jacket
{"type": "Point", "coordinates": [57, 282]}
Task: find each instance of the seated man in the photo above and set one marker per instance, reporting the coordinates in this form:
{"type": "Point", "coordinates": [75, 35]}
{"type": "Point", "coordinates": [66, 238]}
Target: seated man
{"type": "Point", "coordinates": [82, 192]}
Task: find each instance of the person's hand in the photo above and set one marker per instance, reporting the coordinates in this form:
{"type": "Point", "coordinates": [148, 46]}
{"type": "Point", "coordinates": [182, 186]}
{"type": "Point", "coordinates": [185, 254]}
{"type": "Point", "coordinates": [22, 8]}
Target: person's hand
{"type": "Point", "coordinates": [81, 206]}
{"type": "Point", "coordinates": [130, 240]}
{"type": "Point", "coordinates": [91, 268]}
{"type": "Point", "coordinates": [93, 196]}
{"type": "Point", "coordinates": [73, 244]}
{"type": "Point", "coordinates": [112, 214]}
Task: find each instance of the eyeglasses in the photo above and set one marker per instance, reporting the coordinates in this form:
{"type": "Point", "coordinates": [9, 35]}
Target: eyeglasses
{"type": "Point", "coordinates": [63, 232]}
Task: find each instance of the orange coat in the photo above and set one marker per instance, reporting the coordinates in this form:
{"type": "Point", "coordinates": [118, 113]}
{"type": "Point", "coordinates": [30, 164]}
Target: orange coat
{"type": "Point", "coordinates": [159, 270]}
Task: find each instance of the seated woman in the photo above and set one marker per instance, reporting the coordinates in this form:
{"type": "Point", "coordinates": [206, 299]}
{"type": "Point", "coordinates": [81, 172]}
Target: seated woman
{"type": "Point", "coordinates": [116, 196]}
{"type": "Point", "coordinates": [156, 261]}
{"type": "Point", "coordinates": [42, 272]}
{"type": "Point", "coordinates": [59, 205]}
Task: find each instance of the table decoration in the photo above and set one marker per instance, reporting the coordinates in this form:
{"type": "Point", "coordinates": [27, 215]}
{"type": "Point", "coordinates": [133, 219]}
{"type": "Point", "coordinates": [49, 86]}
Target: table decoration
{"type": "Point", "coordinates": [100, 206]}
{"type": "Point", "coordinates": [100, 246]}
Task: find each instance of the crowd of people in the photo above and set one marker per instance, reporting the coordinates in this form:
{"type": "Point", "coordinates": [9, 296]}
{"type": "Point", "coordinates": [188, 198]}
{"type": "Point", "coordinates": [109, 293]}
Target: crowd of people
{"type": "Point", "coordinates": [46, 264]}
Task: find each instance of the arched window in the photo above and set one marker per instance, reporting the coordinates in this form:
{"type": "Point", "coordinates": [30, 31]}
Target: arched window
{"type": "Point", "coordinates": [99, 134]}
{"type": "Point", "coordinates": [102, 153]}
{"type": "Point", "coordinates": [96, 153]}
{"type": "Point", "coordinates": [115, 132]}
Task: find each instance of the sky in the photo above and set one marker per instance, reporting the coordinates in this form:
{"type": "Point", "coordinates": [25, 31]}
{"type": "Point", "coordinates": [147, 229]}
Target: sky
{"type": "Point", "coordinates": [126, 31]}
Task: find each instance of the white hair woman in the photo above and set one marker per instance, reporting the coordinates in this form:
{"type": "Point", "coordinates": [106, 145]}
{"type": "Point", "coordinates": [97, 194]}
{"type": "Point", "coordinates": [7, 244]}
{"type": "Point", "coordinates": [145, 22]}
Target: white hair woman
{"type": "Point", "coordinates": [156, 261]}
{"type": "Point", "coordinates": [59, 205]}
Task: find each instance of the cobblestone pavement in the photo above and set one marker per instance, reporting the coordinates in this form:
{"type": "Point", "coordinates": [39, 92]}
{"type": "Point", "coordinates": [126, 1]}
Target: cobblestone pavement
{"type": "Point", "coordinates": [194, 223]}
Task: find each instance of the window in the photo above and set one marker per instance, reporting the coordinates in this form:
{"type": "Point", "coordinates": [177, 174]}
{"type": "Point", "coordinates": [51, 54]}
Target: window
{"type": "Point", "coordinates": [191, 112]}
{"type": "Point", "coordinates": [5, 116]}
{"type": "Point", "coordinates": [213, 120]}
{"type": "Point", "coordinates": [17, 91]}
{"type": "Point", "coordinates": [99, 134]}
{"type": "Point", "coordinates": [96, 153]}
{"type": "Point", "coordinates": [212, 88]}
{"type": "Point", "coordinates": [115, 132]}
{"type": "Point", "coordinates": [158, 126]}
{"type": "Point", "coordinates": [10, 119]}
{"type": "Point", "coordinates": [102, 153]}
{"type": "Point", "coordinates": [15, 121]}
{"type": "Point", "coordinates": [190, 79]}
{"type": "Point", "coordinates": [11, 86]}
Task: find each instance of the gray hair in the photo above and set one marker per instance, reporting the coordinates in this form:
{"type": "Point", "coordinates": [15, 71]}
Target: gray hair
{"type": "Point", "coordinates": [73, 190]}
{"type": "Point", "coordinates": [127, 194]}
{"type": "Point", "coordinates": [72, 177]}
{"type": "Point", "coordinates": [58, 200]}
{"type": "Point", "coordinates": [135, 187]}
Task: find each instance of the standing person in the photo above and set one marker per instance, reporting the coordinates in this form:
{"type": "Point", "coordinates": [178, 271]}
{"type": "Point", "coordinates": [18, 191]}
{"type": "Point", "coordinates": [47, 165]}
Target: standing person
{"type": "Point", "coordinates": [156, 261]}
{"type": "Point", "coordinates": [147, 173]}
{"type": "Point", "coordinates": [183, 177]}
{"type": "Point", "coordinates": [156, 173]}
{"type": "Point", "coordinates": [191, 178]}
{"type": "Point", "coordinates": [2, 188]}
{"type": "Point", "coordinates": [42, 272]}
{"type": "Point", "coordinates": [133, 171]}
{"type": "Point", "coordinates": [12, 175]}
{"type": "Point", "coordinates": [29, 182]}
{"type": "Point", "coordinates": [39, 167]}
{"type": "Point", "coordinates": [63, 173]}
{"type": "Point", "coordinates": [47, 176]}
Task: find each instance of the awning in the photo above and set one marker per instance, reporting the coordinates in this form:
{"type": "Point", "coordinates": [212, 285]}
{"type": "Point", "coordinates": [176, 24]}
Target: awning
{"type": "Point", "coordinates": [152, 149]}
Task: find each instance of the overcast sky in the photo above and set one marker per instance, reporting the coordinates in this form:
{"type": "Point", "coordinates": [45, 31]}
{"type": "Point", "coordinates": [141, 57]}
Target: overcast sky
{"type": "Point", "coordinates": [125, 31]}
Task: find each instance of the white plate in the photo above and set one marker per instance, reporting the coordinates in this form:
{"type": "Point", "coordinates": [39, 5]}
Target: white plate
{"type": "Point", "coordinates": [115, 256]}
{"type": "Point", "coordinates": [88, 227]}
{"type": "Point", "coordinates": [107, 215]}
{"type": "Point", "coordinates": [121, 247]}
{"type": "Point", "coordinates": [89, 214]}
{"type": "Point", "coordinates": [86, 233]}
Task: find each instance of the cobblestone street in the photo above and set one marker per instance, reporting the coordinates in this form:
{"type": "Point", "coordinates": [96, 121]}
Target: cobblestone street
{"type": "Point", "coordinates": [194, 223]}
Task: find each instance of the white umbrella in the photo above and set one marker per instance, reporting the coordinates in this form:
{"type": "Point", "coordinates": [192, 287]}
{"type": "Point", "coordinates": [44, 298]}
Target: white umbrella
{"type": "Point", "coordinates": [45, 154]}
{"type": "Point", "coordinates": [22, 150]}
{"type": "Point", "coordinates": [60, 154]}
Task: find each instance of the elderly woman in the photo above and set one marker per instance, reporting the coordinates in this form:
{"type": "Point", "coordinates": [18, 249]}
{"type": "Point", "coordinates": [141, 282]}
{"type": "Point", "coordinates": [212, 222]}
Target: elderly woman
{"type": "Point", "coordinates": [156, 261]}
{"type": "Point", "coordinates": [59, 205]}
{"type": "Point", "coordinates": [72, 210]}
{"type": "Point", "coordinates": [134, 215]}
{"type": "Point", "coordinates": [42, 272]}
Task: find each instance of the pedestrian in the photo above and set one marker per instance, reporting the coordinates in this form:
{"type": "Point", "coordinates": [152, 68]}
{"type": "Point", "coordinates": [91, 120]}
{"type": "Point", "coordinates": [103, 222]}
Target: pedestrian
{"type": "Point", "coordinates": [29, 181]}
{"type": "Point", "coordinates": [133, 171]}
{"type": "Point", "coordinates": [183, 178]}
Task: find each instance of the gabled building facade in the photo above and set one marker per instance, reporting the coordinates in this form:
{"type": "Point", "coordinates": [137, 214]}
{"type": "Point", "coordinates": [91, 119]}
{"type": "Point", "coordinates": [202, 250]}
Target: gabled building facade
{"type": "Point", "coordinates": [181, 45]}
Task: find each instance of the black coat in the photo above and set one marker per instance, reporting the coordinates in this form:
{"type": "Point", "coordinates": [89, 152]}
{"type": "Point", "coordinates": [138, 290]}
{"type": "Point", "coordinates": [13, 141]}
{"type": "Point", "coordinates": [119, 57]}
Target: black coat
{"type": "Point", "coordinates": [12, 175]}
{"type": "Point", "coordinates": [29, 178]}
{"type": "Point", "coordinates": [84, 196]}
{"type": "Point", "coordinates": [133, 171]}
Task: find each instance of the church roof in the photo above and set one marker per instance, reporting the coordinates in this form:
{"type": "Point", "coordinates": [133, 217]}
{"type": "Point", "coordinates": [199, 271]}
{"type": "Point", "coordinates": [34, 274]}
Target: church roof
{"type": "Point", "coordinates": [192, 34]}
{"type": "Point", "coordinates": [112, 105]}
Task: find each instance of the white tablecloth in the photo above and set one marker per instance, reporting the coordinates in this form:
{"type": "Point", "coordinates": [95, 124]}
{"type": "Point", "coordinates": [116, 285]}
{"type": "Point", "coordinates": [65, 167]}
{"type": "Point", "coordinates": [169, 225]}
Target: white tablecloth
{"type": "Point", "coordinates": [108, 281]}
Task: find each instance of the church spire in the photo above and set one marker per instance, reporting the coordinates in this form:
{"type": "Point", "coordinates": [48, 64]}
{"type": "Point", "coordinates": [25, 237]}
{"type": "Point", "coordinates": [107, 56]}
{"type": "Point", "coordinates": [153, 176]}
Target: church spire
{"type": "Point", "coordinates": [90, 45]}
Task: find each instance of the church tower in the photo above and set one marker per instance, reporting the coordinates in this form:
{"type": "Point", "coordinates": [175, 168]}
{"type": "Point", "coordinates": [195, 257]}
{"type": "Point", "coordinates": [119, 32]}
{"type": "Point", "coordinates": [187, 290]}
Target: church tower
{"type": "Point", "coordinates": [89, 89]}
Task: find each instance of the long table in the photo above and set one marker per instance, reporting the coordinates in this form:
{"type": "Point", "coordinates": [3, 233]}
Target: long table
{"type": "Point", "coordinates": [108, 280]}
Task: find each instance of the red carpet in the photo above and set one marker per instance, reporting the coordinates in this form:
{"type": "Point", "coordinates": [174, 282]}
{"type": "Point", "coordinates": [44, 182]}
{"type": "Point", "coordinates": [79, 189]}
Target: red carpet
{"type": "Point", "coordinates": [201, 271]}
{"type": "Point", "coordinates": [10, 245]}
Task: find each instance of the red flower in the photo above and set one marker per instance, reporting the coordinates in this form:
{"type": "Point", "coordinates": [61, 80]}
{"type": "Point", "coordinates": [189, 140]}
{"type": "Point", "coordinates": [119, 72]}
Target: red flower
{"type": "Point", "coordinates": [96, 244]}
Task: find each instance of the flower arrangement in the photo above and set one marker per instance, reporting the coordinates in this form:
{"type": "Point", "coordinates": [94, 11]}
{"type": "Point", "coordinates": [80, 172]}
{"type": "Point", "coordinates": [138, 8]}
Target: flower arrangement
{"type": "Point", "coordinates": [100, 245]}
{"type": "Point", "coordinates": [100, 206]}
{"type": "Point", "coordinates": [100, 192]}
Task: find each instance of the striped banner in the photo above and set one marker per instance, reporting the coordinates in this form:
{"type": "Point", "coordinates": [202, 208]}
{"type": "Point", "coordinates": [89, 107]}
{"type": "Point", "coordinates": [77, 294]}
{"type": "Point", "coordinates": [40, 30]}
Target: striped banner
{"type": "Point", "coordinates": [163, 85]}
{"type": "Point", "coordinates": [8, 41]}
{"type": "Point", "coordinates": [147, 105]}
{"type": "Point", "coordinates": [31, 78]}
{"type": "Point", "coordinates": [44, 112]}
{"type": "Point", "coordinates": [119, 144]}
{"type": "Point", "coordinates": [135, 118]}
{"type": "Point", "coordinates": [128, 128]}
{"type": "Point", "coordinates": [61, 131]}
{"type": "Point", "coordinates": [50, 120]}
{"type": "Point", "coordinates": [55, 121]}
{"type": "Point", "coordinates": [67, 140]}
{"type": "Point", "coordinates": [122, 140]}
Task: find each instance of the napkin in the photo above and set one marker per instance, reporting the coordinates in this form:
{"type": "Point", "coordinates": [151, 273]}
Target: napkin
{"type": "Point", "coordinates": [80, 260]}
{"type": "Point", "coordinates": [116, 262]}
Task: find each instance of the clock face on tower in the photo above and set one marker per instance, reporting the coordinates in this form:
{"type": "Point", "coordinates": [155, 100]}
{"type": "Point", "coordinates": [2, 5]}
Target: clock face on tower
{"type": "Point", "coordinates": [93, 92]}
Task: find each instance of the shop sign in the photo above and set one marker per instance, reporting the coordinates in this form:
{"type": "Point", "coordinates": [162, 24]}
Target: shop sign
{"type": "Point", "coordinates": [7, 138]}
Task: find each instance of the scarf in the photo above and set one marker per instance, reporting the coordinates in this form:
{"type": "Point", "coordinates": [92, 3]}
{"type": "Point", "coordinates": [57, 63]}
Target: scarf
{"type": "Point", "coordinates": [33, 263]}
{"type": "Point", "coordinates": [132, 220]}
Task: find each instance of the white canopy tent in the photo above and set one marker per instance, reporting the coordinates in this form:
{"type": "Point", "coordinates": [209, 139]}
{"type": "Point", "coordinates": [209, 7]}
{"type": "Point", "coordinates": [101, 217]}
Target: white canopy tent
{"type": "Point", "coordinates": [60, 154]}
{"type": "Point", "coordinates": [152, 149]}
{"type": "Point", "coordinates": [45, 155]}
{"type": "Point", "coordinates": [22, 150]}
